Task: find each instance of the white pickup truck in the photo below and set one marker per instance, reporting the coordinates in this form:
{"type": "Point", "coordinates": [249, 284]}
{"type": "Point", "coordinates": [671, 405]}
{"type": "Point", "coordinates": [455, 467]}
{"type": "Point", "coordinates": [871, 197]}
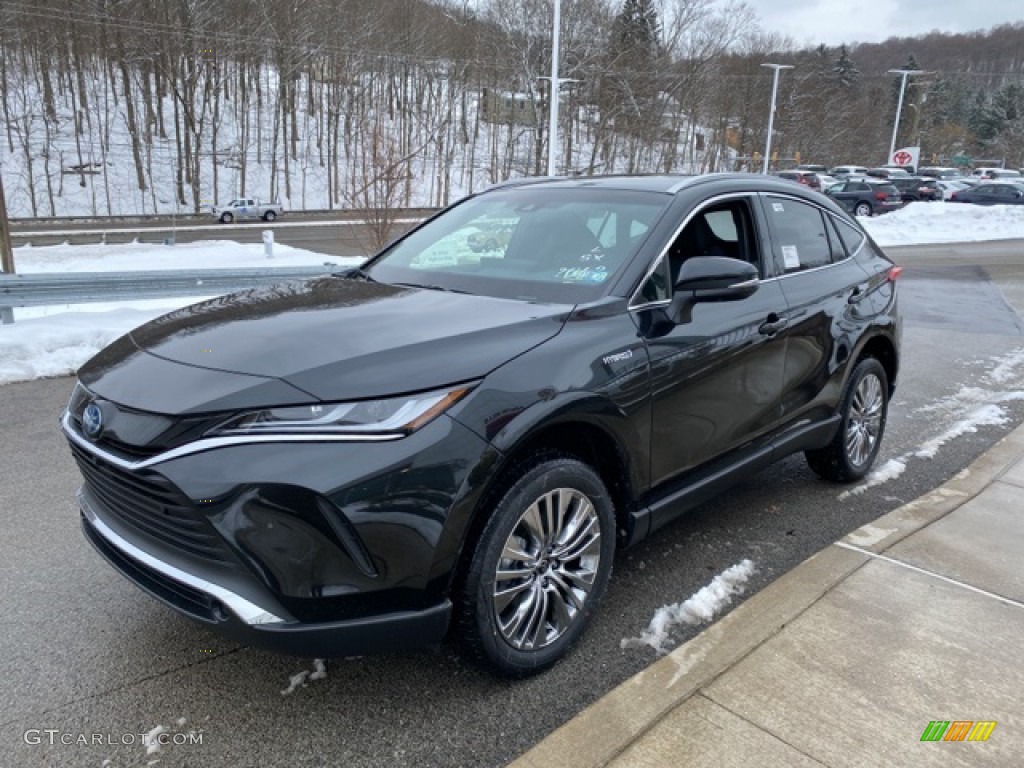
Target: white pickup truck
{"type": "Point", "coordinates": [246, 208]}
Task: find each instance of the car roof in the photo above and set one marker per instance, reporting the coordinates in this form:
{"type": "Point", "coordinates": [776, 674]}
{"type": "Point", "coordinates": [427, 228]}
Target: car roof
{"type": "Point", "coordinates": [665, 183]}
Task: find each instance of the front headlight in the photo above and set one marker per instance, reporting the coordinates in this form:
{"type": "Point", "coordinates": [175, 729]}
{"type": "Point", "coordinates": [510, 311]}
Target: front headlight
{"type": "Point", "coordinates": [395, 415]}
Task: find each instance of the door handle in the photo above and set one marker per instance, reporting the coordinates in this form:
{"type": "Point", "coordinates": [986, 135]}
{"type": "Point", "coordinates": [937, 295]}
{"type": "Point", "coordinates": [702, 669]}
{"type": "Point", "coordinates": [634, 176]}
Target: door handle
{"type": "Point", "coordinates": [773, 324]}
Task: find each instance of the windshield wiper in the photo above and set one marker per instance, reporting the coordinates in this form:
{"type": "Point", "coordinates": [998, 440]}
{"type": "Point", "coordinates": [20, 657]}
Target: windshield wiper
{"type": "Point", "coordinates": [354, 273]}
{"type": "Point", "coordinates": [431, 287]}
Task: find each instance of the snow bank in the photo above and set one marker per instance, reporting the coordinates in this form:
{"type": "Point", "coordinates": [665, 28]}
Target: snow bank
{"type": "Point", "coordinates": [56, 341]}
{"type": "Point", "coordinates": [921, 223]}
{"type": "Point", "coordinates": [204, 254]}
{"type": "Point", "coordinates": [698, 609]}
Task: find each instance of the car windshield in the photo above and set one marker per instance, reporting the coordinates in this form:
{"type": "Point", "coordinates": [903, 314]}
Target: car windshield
{"type": "Point", "coordinates": [559, 245]}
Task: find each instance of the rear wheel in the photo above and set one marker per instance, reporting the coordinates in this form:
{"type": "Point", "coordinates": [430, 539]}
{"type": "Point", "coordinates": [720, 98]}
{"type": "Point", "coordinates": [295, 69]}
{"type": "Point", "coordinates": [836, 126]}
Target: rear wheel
{"type": "Point", "coordinates": [269, 216]}
{"type": "Point", "coordinates": [227, 217]}
{"type": "Point", "coordinates": [540, 567]}
{"type": "Point", "coordinates": [862, 209]}
{"type": "Point", "coordinates": [863, 411]}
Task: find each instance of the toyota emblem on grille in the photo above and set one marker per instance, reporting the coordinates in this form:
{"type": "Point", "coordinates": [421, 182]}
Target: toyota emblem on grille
{"type": "Point", "coordinates": [92, 420]}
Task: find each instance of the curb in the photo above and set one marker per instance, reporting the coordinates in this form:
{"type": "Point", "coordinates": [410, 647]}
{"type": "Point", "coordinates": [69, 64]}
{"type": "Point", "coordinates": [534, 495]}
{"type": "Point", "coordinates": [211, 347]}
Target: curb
{"type": "Point", "coordinates": [610, 725]}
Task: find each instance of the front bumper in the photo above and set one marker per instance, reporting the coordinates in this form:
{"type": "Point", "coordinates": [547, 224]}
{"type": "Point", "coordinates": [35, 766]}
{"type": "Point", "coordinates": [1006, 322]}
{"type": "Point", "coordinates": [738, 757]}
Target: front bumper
{"type": "Point", "coordinates": [265, 626]}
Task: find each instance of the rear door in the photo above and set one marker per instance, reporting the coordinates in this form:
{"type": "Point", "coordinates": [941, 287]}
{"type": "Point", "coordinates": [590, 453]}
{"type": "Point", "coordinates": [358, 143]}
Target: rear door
{"type": "Point", "coordinates": [821, 284]}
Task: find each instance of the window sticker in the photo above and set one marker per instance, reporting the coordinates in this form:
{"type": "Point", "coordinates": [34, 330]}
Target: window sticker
{"type": "Point", "coordinates": [583, 274]}
{"type": "Point", "coordinates": [778, 207]}
{"type": "Point", "coordinates": [791, 256]}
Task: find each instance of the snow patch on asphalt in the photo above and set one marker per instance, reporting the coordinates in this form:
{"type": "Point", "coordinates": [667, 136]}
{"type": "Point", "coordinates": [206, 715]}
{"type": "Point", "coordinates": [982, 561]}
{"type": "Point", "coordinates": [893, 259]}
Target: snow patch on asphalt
{"type": "Point", "coordinates": [299, 679]}
{"type": "Point", "coordinates": [1006, 367]}
{"type": "Point", "coordinates": [698, 609]}
{"type": "Point", "coordinates": [892, 469]}
{"type": "Point", "coordinates": [990, 415]}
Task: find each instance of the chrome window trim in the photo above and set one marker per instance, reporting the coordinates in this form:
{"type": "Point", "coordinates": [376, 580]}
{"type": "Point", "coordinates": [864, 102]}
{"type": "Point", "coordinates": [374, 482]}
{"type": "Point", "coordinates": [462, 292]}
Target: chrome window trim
{"type": "Point", "coordinates": [664, 251]}
{"type": "Point", "coordinates": [248, 612]}
{"type": "Point", "coordinates": [211, 443]}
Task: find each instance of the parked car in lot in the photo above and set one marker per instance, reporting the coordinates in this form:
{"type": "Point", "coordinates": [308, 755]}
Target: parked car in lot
{"type": "Point", "coordinates": [842, 171]}
{"type": "Point", "coordinates": [887, 172]}
{"type": "Point", "coordinates": [991, 193]}
{"type": "Point", "coordinates": [916, 188]}
{"type": "Point", "coordinates": [246, 208]}
{"type": "Point", "coordinates": [949, 186]}
{"type": "Point", "coordinates": [996, 173]}
{"type": "Point", "coordinates": [361, 462]}
{"type": "Point", "coordinates": [812, 167]}
{"type": "Point", "coordinates": [941, 172]}
{"type": "Point", "coordinates": [807, 178]}
{"type": "Point", "coordinates": [866, 196]}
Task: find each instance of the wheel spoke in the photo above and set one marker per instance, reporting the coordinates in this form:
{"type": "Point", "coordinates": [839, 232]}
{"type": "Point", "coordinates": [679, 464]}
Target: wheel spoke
{"type": "Point", "coordinates": [503, 598]}
{"type": "Point", "coordinates": [584, 537]}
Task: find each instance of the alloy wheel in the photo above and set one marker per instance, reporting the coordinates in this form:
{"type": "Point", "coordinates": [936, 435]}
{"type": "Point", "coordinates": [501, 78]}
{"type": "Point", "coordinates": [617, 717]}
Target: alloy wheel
{"type": "Point", "coordinates": [865, 420]}
{"type": "Point", "coordinates": [547, 569]}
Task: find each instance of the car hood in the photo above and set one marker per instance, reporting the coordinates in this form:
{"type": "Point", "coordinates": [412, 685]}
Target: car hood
{"type": "Point", "coordinates": [333, 339]}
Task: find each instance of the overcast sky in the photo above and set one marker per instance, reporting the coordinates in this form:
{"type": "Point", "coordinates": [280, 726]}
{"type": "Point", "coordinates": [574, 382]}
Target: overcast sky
{"type": "Point", "coordinates": [811, 22]}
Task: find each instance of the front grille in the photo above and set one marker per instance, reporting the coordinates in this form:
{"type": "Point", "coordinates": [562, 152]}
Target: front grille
{"type": "Point", "coordinates": [150, 504]}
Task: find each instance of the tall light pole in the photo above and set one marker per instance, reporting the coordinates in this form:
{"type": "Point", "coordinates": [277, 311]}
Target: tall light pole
{"type": "Point", "coordinates": [556, 86]}
{"type": "Point", "coordinates": [899, 104]}
{"type": "Point", "coordinates": [771, 113]}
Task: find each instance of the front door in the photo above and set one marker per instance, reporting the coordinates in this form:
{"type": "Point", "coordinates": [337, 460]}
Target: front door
{"type": "Point", "coordinates": [716, 376]}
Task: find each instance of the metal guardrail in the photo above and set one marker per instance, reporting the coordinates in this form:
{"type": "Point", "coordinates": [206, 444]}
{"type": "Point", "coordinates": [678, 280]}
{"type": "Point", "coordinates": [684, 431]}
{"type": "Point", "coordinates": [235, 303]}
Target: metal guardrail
{"type": "Point", "coordinates": [43, 289]}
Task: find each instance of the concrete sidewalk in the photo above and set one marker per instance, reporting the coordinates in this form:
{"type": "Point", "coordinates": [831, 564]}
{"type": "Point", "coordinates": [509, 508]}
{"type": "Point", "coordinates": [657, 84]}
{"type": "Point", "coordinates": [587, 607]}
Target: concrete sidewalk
{"type": "Point", "coordinates": [846, 659]}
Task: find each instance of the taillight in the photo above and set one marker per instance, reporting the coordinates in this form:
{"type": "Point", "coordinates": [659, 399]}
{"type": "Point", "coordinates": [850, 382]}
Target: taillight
{"type": "Point", "coordinates": [880, 196]}
{"type": "Point", "coordinates": [953, 196]}
{"type": "Point", "coordinates": [894, 272]}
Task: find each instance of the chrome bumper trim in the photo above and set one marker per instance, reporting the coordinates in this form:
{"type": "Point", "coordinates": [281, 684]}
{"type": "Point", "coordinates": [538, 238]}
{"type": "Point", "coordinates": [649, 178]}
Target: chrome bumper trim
{"type": "Point", "coordinates": [250, 613]}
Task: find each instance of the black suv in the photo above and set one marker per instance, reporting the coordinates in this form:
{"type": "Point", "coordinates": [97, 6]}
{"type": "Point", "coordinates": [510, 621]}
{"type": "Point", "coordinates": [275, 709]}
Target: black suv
{"type": "Point", "coordinates": [453, 438]}
{"type": "Point", "coordinates": [916, 188]}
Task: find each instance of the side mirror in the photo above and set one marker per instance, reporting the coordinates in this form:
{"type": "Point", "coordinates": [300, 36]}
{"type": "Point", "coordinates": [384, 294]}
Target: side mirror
{"type": "Point", "coordinates": [711, 278]}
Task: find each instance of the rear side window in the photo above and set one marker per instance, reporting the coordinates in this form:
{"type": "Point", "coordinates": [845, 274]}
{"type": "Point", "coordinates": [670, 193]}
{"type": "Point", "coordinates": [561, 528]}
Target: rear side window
{"type": "Point", "coordinates": [852, 237]}
{"type": "Point", "coordinates": [800, 240]}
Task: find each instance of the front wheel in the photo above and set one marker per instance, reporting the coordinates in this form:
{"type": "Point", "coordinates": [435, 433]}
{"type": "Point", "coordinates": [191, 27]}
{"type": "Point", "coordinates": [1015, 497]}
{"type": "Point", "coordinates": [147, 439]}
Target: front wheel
{"type": "Point", "coordinates": [862, 209]}
{"type": "Point", "coordinates": [540, 567]}
{"type": "Point", "coordinates": [863, 411]}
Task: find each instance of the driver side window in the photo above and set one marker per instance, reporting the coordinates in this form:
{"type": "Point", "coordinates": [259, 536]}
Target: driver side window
{"type": "Point", "coordinates": [722, 229]}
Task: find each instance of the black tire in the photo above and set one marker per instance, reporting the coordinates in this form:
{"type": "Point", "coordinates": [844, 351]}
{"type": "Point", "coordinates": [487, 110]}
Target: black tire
{"type": "Point", "coordinates": [862, 209]}
{"type": "Point", "coordinates": [269, 216]}
{"type": "Point", "coordinates": [226, 217]}
{"type": "Point", "coordinates": [504, 630]}
{"type": "Point", "coordinates": [863, 410]}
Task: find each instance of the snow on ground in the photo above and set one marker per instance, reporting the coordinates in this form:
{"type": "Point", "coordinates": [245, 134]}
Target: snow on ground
{"type": "Point", "coordinates": [698, 609]}
{"type": "Point", "coordinates": [55, 341]}
{"type": "Point", "coordinates": [939, 222]}
{"type": "Point", "coordinates": [299, 679]}
{"type": "Point", "coordinates": [204, 254]}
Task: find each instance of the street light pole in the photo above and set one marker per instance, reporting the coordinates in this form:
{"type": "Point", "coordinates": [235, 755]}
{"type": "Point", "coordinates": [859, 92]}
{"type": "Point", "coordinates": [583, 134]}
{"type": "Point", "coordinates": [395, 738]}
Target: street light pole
{"type": "Point", "coordinates": [899, 104]}
{"type": "Point", "coordinates": [556, 86]}
{"type": "Point", "coordinates": [771, 113]}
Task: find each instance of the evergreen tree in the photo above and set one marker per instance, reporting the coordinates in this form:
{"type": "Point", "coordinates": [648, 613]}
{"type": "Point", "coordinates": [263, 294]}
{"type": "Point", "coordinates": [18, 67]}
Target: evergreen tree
{"type": "Point", "coordinates": [845, 70]}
